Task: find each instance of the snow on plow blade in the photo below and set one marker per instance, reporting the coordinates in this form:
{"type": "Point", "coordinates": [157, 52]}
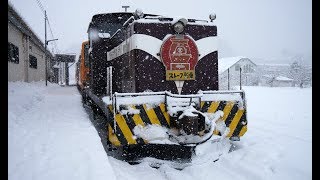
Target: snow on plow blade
{"type": "Point", "coordinates": [165, 118]}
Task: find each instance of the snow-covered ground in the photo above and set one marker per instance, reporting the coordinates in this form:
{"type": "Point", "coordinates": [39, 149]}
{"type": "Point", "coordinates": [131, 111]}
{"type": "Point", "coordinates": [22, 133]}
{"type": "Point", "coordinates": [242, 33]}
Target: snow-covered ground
{"type": "Point", "coordinates": [51, 137]}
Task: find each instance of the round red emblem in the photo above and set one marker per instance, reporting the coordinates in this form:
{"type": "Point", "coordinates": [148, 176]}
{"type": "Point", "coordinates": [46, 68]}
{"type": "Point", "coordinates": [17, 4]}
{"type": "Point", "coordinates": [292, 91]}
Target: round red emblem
{"type": "Point", "coordinates": [179, 52]}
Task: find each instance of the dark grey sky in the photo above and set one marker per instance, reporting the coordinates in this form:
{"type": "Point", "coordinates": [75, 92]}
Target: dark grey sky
{"type": "Point", "coordinates": [263, 29]}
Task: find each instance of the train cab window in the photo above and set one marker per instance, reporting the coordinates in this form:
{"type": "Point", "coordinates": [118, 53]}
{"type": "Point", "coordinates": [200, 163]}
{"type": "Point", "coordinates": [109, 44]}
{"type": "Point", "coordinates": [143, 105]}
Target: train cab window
{"type": "Point", "coordinates": [108, 23]}
{"type": "Point", "coordinates": [86, 55]}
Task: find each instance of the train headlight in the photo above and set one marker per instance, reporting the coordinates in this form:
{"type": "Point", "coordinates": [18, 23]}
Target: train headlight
{"type": "Point", "coordinates": [179, 26]}
{"type": "Point", "coordinates": [212, 17]}
{"type": "Point", "coordinates": [139, 13]}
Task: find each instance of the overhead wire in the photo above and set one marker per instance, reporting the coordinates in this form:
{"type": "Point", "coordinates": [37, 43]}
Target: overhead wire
{"type": "Point", "coordinates": [55, 47]}
{"type": "Point", "coordinates": [40, 6]}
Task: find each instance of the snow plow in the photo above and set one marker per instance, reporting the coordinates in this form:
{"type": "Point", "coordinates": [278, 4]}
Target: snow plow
{"type": "Point", "coordinates": [151, 85]}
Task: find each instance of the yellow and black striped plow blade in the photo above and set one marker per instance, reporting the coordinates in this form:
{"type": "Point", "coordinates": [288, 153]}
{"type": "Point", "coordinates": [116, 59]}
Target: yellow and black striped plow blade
{"type": "Point", "coordinates": [121, 133]}
{"type": "Point", "coordinates": [125, 123]}
{"type": "Point", "coordinates": [234, 115]}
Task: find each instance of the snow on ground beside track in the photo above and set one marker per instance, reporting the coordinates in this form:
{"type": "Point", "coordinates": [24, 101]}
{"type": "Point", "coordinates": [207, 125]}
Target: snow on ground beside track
{"type": "Point", "coordinates": [51, 137]}
{"type": "Point", "coordinates": [276, 146]}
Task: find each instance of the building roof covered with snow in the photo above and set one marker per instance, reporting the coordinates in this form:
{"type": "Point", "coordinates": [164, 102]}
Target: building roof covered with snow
{"type": "Point", "coordinates": [277, 78]}
{"type": "Point", "coordinates": [16, 19]}
{"type": "Point", "coordinates": [226, 63]}
{"type": "Point", "coordinates": [283, 78]}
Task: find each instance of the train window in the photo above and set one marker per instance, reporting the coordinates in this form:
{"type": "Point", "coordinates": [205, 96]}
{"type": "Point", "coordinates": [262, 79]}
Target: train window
{"type": "Point", "coordinates": [108, 23]}
{"type": "Point", "coordinates": [111, 28]}
{"type": "Point", "coordinates": [86, 55]}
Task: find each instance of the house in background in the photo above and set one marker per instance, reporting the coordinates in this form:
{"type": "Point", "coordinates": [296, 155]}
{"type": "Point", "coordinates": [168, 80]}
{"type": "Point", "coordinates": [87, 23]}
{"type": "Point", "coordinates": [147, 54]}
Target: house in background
{"type": "Point", "coordinates": [26, 53]}
{"type": "Point", "coordinates": [229, 72]}
{"type": "Point", "coordinates": [276, 81]}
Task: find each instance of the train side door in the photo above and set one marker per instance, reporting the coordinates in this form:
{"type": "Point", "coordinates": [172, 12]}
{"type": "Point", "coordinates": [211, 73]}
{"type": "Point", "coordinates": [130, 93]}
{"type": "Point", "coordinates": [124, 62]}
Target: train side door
{"type": "Point", "coordinates": [86, 64]}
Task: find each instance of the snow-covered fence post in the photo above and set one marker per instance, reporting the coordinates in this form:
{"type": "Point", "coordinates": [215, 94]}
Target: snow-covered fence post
{"type": "Point", "coordinates": [240, 79]}
{"type": "Point", "coordinates": [228, 79]}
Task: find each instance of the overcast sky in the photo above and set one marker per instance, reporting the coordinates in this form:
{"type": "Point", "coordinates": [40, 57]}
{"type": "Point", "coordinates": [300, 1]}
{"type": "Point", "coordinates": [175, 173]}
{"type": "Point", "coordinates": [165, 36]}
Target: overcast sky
{"type": "Point", "coordinates": [258, 29]}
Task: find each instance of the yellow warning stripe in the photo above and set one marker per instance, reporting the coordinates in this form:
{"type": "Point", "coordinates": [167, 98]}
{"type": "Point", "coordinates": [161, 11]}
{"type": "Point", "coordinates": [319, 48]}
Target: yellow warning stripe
{"type": "Point", "coordinates": [213, 107]}
{"type": "Point", "coordinates": [227, 110]}
{"type": "Point", "coordinates": [137, 118]}
{"type": "Point", "coordinates": [112, 137]}
{"type": "Point", "coordinates": [201, 104]}
{"type": "Point", "coordinates": [243, 130]}
{"type": "Point", "coordinates": [138, 121]}
{"type": "Point", "coordinates": [235, 121]}
{"type": "Point", "coordinates": [152, 115]}
{"type": "Point", "coordinates": [165, 113]}
{"type": "Point", "coordinates": [125, 129]}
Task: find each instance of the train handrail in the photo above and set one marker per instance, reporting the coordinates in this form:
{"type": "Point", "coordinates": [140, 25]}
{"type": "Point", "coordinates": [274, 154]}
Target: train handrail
{"type": "Point", "coordinates": [128, 20]}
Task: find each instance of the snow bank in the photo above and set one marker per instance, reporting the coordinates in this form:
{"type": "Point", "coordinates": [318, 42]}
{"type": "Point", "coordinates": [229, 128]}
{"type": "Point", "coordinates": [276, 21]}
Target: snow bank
{"type": "Point", "coordinates": [50, 136]}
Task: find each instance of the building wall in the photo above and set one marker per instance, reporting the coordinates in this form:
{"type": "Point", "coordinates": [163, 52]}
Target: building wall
{"type": "Point", "coordinates": [266, 81]}
{"type": "Point", "coordinates": [39, 73]}
{"type": "Point", "coordinates": [16, 71]}
{"type": "Point", "coordinates": [283, 83]}
{"type": "Point", "coordinates": [22, 71]}
{"type": "Point", "coordinates": [234, 75]}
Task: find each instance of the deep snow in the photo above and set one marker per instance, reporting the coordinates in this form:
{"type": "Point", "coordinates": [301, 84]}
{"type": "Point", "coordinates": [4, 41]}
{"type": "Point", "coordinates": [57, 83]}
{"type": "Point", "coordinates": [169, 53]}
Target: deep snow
{"type": "Point", "coordinates": [51, 137]}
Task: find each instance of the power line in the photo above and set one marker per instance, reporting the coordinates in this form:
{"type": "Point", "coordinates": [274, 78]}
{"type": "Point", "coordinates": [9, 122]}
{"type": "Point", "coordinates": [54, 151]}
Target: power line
{"type": "Point", "coordinates": [55, 44]}
{"type": "Point", "coordinates": [40, 6]}
{"type": "Point", "coordinates": [52, 36]}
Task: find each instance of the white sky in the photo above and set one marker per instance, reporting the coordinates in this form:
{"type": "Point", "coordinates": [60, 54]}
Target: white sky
{"type": "Point", "coordinates": [265, 29]}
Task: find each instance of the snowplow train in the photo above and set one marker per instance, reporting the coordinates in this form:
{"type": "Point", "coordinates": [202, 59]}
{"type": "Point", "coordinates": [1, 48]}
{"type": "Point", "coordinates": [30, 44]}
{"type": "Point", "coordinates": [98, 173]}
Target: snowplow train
{"type": "Point", "coordinates": [150, 84]}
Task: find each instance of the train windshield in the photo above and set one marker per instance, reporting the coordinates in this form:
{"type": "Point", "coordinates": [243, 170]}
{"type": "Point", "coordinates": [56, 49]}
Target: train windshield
{"type": "Point", "coordinates": [109, 23]}
{"type": "Point", "coordinates": [108, 27]}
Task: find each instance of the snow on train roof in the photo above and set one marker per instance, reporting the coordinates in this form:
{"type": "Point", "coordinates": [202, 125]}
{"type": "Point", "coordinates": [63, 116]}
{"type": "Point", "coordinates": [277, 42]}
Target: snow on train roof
{"type": "Point", "coordinates": [157, 19]}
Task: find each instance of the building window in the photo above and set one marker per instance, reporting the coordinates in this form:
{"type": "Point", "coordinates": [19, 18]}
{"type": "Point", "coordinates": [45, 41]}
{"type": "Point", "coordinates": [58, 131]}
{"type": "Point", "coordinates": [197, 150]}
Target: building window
{"type": "Point", "coordinates": [246, 69]}
{"type": "Point", "coordinates": [32, 62]}
{"type": "Point", "coordinates": [13, 53]}
{"type": "Point", "coordinates": [237, 68]}
{"type": "Point", "coordinates": [251, 69]}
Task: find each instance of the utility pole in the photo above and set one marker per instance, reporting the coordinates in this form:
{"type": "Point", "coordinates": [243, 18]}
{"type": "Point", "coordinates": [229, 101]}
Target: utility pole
{"type": "Point", "coordinates": [45, 44]}
{"type": "Point", "coordinates": [228, 80]}
{"type": "Point", "coordinates": [125, 8]}
{"type": "Point", "coordinates": [67, 73]}
{"type": "Point", "coordinates": [240, 79]}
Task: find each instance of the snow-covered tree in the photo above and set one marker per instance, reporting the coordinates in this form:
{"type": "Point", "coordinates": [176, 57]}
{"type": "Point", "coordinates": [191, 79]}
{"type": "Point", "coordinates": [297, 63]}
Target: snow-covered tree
{"type": "Point", "coordinates": [300, 73]}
